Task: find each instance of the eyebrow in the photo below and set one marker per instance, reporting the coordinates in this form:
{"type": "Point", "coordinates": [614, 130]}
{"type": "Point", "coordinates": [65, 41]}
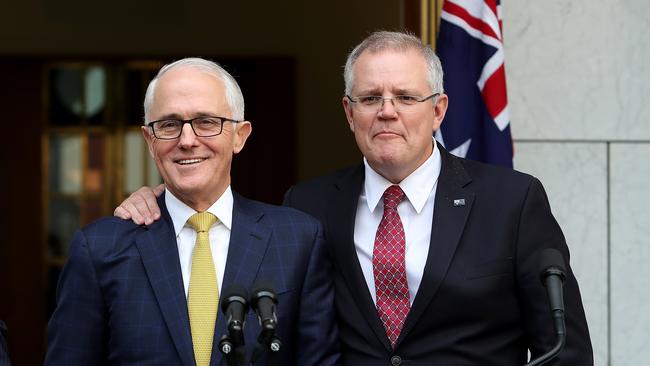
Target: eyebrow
{"type": "Point", "coordinates": [179, 117]}
{"type": "Point", "coordinates": [401, 91]}
{"type": "Point", "coordinates": [406, 92]}
{"type": "Point", "coordinates": [373, 91]}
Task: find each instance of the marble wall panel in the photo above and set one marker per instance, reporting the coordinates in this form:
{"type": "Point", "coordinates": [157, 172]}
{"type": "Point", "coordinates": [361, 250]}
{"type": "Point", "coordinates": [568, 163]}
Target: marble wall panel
{"type": "Point", "coordinates": [578, 69]}
{"type": "Point", "coordinates": [630, 253]}
{"type": "Point", "coordinates": [575, 178]}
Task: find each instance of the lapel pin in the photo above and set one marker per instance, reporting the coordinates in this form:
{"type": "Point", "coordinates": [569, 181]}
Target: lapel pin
{"type": "Point", "coordinates": [459, 202]}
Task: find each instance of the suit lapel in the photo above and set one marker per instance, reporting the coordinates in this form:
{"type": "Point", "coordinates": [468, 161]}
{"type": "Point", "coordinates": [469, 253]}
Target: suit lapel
{"type": "Point", "coordinates": [449, 220]}
{"type": "Point", "coordinates": [249, 239]}
{"type": "Point", "coordinates": [341, 220]}
{"type": "Point", "coordinates": [159, 252]}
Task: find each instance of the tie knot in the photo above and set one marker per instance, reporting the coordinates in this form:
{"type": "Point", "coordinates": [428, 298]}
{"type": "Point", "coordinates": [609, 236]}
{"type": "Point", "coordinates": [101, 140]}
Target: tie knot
{"type": "Point", "coordinates": [201, 221]}
{"type": "Point", "coordinates": [393, 196]}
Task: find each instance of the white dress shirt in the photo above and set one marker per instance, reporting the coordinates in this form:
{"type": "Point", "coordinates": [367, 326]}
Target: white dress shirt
{"type": "Point", "coordinates": [415, 211]}
{"type": "Point", "coordinates": [186, 236]}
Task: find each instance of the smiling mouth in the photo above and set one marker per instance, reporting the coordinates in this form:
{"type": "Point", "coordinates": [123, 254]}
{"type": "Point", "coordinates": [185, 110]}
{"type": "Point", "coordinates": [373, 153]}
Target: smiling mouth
{"type": "Point", "coordinates": [189, 161]}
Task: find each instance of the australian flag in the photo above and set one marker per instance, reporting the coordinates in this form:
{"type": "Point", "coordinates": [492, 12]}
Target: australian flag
{"type": "Point", "coordinates": [470, 47]}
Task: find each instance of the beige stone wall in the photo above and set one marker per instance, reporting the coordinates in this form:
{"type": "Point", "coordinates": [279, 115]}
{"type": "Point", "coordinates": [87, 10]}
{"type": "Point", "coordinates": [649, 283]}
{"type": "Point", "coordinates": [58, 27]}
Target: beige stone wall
{"type": "Point", "coordinates": [578, 82]}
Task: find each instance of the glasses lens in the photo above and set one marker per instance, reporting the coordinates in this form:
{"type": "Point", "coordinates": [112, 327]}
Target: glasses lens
{"type": "Point", "coordinates": [167, 128]}
{"type": "Point", "coordinates": [401, 103]}
{"type": "Point", "coordinates": [368, 103]}
{"type": "Point", "coordinates": [374, 103]}
{"type": "Point", "coordinates": [405, 100]}
{"type": "Point", "coordinates": [207, 126]}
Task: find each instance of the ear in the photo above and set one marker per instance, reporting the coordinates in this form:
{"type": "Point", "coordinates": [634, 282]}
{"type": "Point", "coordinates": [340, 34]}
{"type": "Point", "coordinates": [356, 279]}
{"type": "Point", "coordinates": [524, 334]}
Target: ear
{"type": "Point", "coordinates": [242, 131]}
{"type": "Point", "coordinates": [349, 113]}
{"type": "Point", "coordinates": [149, 138]}
{"type": "Point", "coordinates": [439, 111]}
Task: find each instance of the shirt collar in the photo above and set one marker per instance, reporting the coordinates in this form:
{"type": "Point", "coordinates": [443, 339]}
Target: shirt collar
{"type": "Point", "coordinates": [180, 212]}
{"type": "Point", "coordinates": [417, 186]}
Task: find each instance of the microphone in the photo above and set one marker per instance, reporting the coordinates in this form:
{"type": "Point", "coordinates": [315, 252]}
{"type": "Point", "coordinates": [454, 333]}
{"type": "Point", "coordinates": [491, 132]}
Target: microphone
{"type": "Point", "coordinates": [552, 265]}
{"type": "Point", "coordinates": [234, 306]}
{"type": "Point", "coordinates": [264, 301]}
{"type": "Point", "coordinates": [552, 275]}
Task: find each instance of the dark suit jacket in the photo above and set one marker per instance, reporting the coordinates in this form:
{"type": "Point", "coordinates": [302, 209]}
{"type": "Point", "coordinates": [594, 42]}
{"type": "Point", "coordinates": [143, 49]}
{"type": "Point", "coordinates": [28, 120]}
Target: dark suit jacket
{"type": "Point", "coordinates": [4, 352]}
{"type": "Point", "coordinates": [481, 301]}
{"type": "Point", "coordinates": [120, 298]}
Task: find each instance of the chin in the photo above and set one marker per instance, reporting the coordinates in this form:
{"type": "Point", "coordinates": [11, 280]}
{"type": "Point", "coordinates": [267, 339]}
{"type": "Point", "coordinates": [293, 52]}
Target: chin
{"type": "Point", "coordinates": [186, 187]}
{"type": "Point", "coordinates": [389, 155]}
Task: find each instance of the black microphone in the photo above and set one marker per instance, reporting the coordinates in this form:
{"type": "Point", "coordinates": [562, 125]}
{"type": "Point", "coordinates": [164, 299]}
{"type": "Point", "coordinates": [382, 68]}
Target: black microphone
{"type": "Point", "coordinates": [234, 306]}
{"type": "Point", "coordinates": [552, 269]}
{"type": "Point", "coordinates": [264, 301]}
{"type": "Point", "coordinates": [552, 274]}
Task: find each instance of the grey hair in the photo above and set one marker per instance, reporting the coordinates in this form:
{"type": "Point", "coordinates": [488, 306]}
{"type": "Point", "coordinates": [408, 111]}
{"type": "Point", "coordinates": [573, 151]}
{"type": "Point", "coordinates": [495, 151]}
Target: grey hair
{"type": "Point", "coordinates": [395, 41]}
{"type": "Point", "coordinates": [234, 95]}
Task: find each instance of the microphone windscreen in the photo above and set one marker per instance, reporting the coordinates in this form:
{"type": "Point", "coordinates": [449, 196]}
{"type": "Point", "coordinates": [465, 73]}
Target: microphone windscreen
{"type": "Point", "coordinates": [551, 258]}
{"type": "Point", "coordinates": [262, 288]}
{"type": "Point", "coordinates": [233, 293]}
{"type": "Point", "coordinates": [263, 285]}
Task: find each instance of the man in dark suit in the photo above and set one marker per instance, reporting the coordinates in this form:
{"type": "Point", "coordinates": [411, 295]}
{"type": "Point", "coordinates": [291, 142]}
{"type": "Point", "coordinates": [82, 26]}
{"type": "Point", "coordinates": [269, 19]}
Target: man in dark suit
{"type": "Point", "coordinates": [458, 241]}
{"type": "Point", "coordinates": [132, 294]}
{"type": "Point", "coordinates": [472, 265]}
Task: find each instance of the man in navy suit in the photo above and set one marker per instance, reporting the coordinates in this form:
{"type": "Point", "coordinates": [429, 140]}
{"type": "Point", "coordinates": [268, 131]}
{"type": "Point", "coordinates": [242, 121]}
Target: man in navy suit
{"type": "Point", "coordinates": [123, 295]}
{"type": "Point", "coordinates": [468, 269]}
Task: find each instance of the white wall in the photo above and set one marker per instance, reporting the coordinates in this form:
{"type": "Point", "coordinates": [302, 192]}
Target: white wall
{"type": "Point", "coordinates": [579, 88]}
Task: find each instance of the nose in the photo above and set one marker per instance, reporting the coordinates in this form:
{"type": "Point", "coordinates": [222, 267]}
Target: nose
{"type": "Point", "coordinates": [387, 109]}
{"type": "Point", "coordinates": [188, 137]}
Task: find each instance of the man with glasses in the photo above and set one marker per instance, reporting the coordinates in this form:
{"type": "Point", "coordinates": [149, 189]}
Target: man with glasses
{"type": "Point", "coordinates": [131, 294]}
{"type": "Point", "coordinates": [436, 258]}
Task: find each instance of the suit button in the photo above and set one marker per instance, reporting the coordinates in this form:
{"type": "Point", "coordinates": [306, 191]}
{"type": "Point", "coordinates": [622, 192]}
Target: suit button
{"type": "Point", "coordinates": [396, 360]}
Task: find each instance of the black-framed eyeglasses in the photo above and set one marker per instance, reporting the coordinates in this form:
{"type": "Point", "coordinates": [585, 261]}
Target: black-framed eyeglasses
{"type": "Point", "coordinates": [204, 126]}
{"type": "Point", "coordinates": [401, 103]}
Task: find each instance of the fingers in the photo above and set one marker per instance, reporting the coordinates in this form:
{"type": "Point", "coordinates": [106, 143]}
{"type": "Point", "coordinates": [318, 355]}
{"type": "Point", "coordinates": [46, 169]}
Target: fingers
{"type": "Point", "coordinates": [145, 201]}
{"type": "Point", "coordinates": [141, 206]}
{"type": "Point", "coordinates": [121, 213]}
{"type": "Point", "coordinates": [127, 210]}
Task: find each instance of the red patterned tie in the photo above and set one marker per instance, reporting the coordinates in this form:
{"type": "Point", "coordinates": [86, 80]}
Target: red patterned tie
{"type": "Point", "coordinates": [389, 268]}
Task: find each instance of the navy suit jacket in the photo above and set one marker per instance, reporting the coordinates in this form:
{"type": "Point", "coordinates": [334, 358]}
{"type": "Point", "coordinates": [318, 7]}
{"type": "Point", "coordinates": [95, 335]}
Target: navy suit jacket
{"type": "Point", "coordinates": [481, 301]}
{"type": "Point", "coordinates": [120, 298]}
{"type": "Point", "coordinates": [4, 352]}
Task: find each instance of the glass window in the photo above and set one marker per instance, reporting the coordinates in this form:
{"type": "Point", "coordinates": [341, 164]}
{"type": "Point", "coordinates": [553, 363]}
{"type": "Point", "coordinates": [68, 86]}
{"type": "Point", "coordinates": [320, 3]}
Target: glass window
{"type": "Point", "coordinates": [134, 163]}
{"type": "Point", "coordinates": [65, 164]}
{"type": "Point", "coordinates": [94, 174]}
{"type": "Point", "coordinates": [65, 96]}
{"type": "Point", "coordinates": [95, 95]}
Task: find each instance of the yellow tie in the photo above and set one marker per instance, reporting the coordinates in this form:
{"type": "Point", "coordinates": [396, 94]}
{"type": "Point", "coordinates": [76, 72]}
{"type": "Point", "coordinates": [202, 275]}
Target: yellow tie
{"type": "Point", "coordinates": [203, 294]}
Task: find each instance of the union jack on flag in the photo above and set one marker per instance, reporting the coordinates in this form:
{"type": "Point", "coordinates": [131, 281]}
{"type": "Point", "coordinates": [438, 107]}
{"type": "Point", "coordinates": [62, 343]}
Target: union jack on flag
{"type": "Point", "coordinates": [470, 47]}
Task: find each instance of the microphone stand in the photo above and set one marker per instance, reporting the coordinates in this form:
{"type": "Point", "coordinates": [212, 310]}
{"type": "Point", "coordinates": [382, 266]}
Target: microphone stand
{"type": "Point", "coordinates": [273, 357]}
{"type": "Point", "coordinates": [561, 340]}
{"type": "Point", "coordinates": [231, 345]}
{"type": "Point", "coordinates": [226, 348]}
{"type": "Point", "coordinates": [267, 341]}
{"type": "Point", "coordinates": [553, 280]}
{"type": "Point", "coordinates": [236, 334]}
